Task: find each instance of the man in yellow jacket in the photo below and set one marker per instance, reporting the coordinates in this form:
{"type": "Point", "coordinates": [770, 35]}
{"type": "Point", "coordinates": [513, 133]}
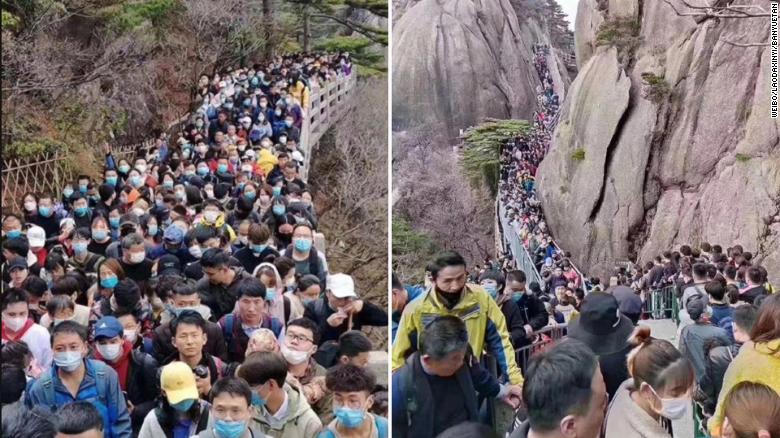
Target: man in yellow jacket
{"type": "Point", "coordinates": [450, 295]}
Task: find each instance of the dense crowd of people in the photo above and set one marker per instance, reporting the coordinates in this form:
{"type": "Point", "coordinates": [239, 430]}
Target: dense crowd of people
{"type": "Point", "coordinates": [181, 294]}
{"type": "Point", "coordinates": [609, 376]}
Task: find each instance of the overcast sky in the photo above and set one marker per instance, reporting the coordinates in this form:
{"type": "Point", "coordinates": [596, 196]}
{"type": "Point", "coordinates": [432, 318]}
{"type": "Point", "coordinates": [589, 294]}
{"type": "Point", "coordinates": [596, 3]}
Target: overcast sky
{"type": "Point", "coordinates": [570, 8]}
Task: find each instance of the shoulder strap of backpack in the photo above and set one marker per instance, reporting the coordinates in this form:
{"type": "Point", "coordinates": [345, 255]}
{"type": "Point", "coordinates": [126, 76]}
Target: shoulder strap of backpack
{"type": "Point", "coordinates": [227, 329]}
{"type": "Point", "coordinates": [314, 262]}
{"type": "Point", "coordinates": [219, 365]}
{"type": "Point", "coordinates": [319, 307]}
{"type": "Point", "coordinates": [286, 301]}
{"type": "Point", "coordinates": [102, 389]}
{"type": "Point", "coordinates": [203, 421]}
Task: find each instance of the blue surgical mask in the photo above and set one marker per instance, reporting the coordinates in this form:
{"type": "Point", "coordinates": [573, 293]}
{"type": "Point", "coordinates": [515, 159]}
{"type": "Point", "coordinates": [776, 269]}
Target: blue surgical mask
{"type": "Point", "coordinates": [257, 400]}
{"type": "Point", "coordinates": [303, 245]}
{"type": "Point", "coordinates": [203, 171]}
{"type": "Point", "coordinates": [44, 211]}
{"type": "Point", "coordinates": [167, 184]}
{"type": "Point", "coordinates": [109, 282]}
{"type": "Point", "coordinates": [279, 209]}
{"type": "Point", "coordinates": [229, 429]}
{"type": "Point", "coordinates": [13, 234]}
{"type": "Point", "coordinates": [81, 211]}
{"type": "Point", "coordinates": [67, 192]}
{"type": "Point", "coordinates": [257, 249]}
{"type": "Point", "coordinates": [517, 296]}
{"type": "Point", "coordinates": [492, 290]}
{"type": "Point", "coordinates": [153, 230]}
{"type": "Point", "coordinates": [287, 123]}
{"type": "Point", "coordinates": [83, 188]}
{"type": "Point", "coordinates": [222, 168]}
{"type": "Point", "coordinates": [136, 181]}
{"type": "Point", "coordinates": [80, 248]}
{"type": "Point", "coordinates": [99, 234]}
{"type": "Point", "coordinates": [68, 360]}
{"type": "Point", "coordinates": [114, 222]}
{"type": "Point", "coordinates": [250, 196]}
{"type": "Point", "coordinates": [306, 301]}
{"type": "Point", "coordinates": [350, 418]}
{"type": "Point", "coordinates": [276, 191]}
{"type": "Point", "coordinates": [124, 168]}
{"type": "Point", "coordinates": [111, 180]}
{"type": "Point", "coordinates": [270, 295]}
{"type": "Point", "coordinates": [184, 405]}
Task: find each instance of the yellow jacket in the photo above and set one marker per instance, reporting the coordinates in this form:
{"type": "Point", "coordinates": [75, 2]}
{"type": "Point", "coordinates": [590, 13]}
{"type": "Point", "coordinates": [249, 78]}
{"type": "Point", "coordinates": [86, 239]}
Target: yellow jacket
{"type": "Point", "coordinates": [484, 321]}
{"type": "Point", "coordinates": [759, 363]}
{"type": "Point", "coordinates": [301, 92]}
{"type": "Point", "coordinates": [266, 160]}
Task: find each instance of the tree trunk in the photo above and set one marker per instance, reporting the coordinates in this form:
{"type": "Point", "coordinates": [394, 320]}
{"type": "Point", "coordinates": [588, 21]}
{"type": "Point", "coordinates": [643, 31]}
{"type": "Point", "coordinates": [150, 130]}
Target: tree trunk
{"type": "Point", "coordinates": [306, 30]}
{"type": "Point", "coordinates": [268, 25]}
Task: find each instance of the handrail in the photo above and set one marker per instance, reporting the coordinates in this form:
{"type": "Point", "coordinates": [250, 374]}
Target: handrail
{"type": "Point", "coordinates": [520, 256]}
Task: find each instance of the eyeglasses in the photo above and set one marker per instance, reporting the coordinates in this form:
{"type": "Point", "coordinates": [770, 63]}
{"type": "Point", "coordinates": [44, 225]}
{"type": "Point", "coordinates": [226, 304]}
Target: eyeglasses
{"type": "Point", "coordinates": [298, 338]}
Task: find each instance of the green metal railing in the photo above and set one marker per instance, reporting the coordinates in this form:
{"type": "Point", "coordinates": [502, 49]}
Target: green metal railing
{"type": "Point", "coordinates": [662, 304]}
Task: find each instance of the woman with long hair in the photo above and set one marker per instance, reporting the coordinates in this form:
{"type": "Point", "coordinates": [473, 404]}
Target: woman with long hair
{"type": "Point", "coordinates": [758, 360]}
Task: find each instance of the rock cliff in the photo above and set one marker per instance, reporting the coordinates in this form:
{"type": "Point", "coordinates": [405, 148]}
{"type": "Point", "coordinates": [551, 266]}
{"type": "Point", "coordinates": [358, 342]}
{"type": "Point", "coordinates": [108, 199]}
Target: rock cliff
{"type": "Point", "coordinates": [456, 62]}
{"type": "Point", "coordinates": [673, 119]}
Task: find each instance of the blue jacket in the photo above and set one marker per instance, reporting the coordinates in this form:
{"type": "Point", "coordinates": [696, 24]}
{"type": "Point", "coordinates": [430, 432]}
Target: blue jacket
{"type": "Point", "coordinates": [99, 387]}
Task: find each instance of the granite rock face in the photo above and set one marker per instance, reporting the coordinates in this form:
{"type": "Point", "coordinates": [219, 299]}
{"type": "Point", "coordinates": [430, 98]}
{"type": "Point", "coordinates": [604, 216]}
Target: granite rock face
{"type": "Point", "coordinates": [456, 62]}
{"type": "Point", "coordinates": [698, 162]}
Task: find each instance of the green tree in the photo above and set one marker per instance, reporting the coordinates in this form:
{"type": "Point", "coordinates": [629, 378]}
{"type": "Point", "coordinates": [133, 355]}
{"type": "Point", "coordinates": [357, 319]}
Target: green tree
{"type": "Point", "coordinates": [361, 50]}
{"type": "Point", "coordinates": [339, 12]}
{"type": "Point", "coordinates": [482, 149]}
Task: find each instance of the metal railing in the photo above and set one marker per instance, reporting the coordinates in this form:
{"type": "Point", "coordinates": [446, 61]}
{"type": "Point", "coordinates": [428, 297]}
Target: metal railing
{"type": "Point", "coordinates": [662, 304]}
{"type": "Point", "coordinates": [543, 339]}
{"type": "Point", "coordinates": [521, 258]}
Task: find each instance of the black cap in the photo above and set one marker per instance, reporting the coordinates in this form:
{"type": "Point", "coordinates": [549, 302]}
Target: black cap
{"type": "Point", "coordinates": [168, 264]}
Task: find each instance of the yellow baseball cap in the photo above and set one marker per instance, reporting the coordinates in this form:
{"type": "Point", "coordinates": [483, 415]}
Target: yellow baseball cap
{"type": "Point", "coordinates": [178, 381]}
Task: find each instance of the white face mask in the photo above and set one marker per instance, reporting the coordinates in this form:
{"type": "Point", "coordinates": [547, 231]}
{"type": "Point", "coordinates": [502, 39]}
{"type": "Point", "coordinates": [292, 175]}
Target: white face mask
{"type": "Point", "coordinates": [29, 205]}
{"type": "Point", "coordinates": [294, 357]}
{"type": "Point", "coordinates": [195, 251]}
{"type": "Point", "coordinates": [673, 408]}
{"type": "Point", "coordinates": [130, 336]}
{"type": "Point", "coordinates": [138, 211]}
{"type": "Point", "coordinates": [15, 323]}
{"type": "Point", "coordinates": [110, 351]}
{"type": "Point", "coordinates": [211, 216]}
{"type": "Point", "coordinates": [137, 257]}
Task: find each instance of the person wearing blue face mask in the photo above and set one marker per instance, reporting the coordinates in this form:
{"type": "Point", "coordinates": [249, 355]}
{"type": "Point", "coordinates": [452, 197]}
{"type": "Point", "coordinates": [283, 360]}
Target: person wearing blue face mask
{"type": "Point", "coordinates": [82, 258]}
{"type": "Point", "coordinates": [12, 226]}
{"type": "Point", "coordinates": [181, 412]}
{"type": "Point", "coordinates": [81, 213]}
{"type": "Point", "coordinates": [256, 249]}
{"type": "Point", "coordinates": [47, 216]}
{"type": "Point", "coordinates": [101, 236]}
{"type": "Point", "coordinates": [83, 184]}
{"type": "Point", "coordinates": [95, 381]}
{"type": "Point", "coordinates": [232, 410]}
{"type": "Point", "coordinates": [493, 283]}
{"type": "Point", "coordinates": [307, 258]}
{"type": "Point", "coordinates": [277, 407]}
{"type": "Point", "coordinates": [352, 386]}
{"type": "Point", "coordinates": [111, 177]}
{"type": "Point", "coordinates": [106, 197]}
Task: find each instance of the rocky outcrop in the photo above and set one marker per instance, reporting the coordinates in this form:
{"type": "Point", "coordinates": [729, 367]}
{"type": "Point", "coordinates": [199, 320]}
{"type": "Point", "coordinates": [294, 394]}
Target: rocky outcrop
{"type": "Point", "coordinates": [686, 154]}
{"type": "Point", "coordinates": [456, 62]}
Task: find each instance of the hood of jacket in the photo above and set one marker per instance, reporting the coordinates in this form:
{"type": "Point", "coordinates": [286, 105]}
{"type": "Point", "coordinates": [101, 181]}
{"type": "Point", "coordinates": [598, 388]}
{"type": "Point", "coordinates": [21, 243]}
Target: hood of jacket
{"type": "Point", "coordinates": [297, 407]}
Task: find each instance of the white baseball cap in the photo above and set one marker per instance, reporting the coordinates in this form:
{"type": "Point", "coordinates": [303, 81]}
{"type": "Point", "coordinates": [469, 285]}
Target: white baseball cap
{"type": "Point", "coordinates": [36, 236]}
{"type": "Point", "coordinates": [341, 285]}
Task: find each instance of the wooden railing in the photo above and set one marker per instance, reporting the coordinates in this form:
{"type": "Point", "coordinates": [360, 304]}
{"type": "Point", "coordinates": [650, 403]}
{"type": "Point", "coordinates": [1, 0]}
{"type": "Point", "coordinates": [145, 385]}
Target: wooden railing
{"type": "Point", "coordinates": [326, 106]}
{"type": "Point", "coordinates": [44, 172]}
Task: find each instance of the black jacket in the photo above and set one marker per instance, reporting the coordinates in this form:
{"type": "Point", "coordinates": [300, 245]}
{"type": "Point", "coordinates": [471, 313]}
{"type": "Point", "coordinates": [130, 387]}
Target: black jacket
{"type": "Point", "coordinates": [750, 295]}
{"type": "Point", "coordinates": [220, 298]}
{"type": "Point", "coordinates": [248, 259]}
{"type": "Point", "coordinates": [413, 410]}
{"type": "Point", "coordinates": [143, 386]}
{"type": "Point", "coordinates": [163, 347]}
{"type": "Point", "coordinates": [533, 311]}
